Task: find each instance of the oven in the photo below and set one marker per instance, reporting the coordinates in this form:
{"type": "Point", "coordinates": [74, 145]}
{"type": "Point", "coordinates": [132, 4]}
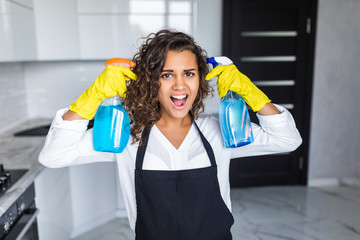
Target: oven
{"type": "Point", "coordinates": [18, 222]}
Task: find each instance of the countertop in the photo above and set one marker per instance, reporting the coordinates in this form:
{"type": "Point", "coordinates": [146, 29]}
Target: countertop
{"type": "Point", "coordinates": [21, 153]}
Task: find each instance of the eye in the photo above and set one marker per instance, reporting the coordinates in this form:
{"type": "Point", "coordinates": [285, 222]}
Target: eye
{"type": "Point", "coordinates": [189, 74]}
{"type": "Point", "coordinates": [166, 75]}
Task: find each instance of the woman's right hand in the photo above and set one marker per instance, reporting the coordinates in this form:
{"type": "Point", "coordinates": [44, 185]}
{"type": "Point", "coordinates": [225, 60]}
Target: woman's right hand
{"type": "Point", "coordinates": [110, 82]}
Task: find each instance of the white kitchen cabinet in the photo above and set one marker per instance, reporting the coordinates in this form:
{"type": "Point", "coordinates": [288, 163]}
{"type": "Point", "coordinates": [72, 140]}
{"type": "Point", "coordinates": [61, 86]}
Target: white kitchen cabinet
{"type": "Point", "coordinates": [94, 190]}
{"type": "Point", "coordinates": [100, 38]}
{"type": "Point", "coordinates": [85, 29]}
{"type": "Point", "coordinates": [24, 3]}
{"type": "Point", "coordinates": [75, 199]}
{"type": "Point", "coordinates": [7, 52]}
{"type": "Point", "coordinates": [57, 29]}
{"type": "Point", "coordinates": [114, 28]}
{"type": "Point", "coordinates": [17, 31]}
{"type": "Point", "coordinates": [24, 31]}
{"type": "Point", "coordinates": [103, 6]}
{"type": "Point", "coordinates": [105, 30]}
{"type": "Point", "coordinates": [104, 37]}
{"type": "Point", "coordinates": [53, 199]}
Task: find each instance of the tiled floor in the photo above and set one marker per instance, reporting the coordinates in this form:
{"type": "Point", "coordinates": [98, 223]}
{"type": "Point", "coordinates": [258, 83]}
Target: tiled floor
{"type": "Point", "coordinates": [278, 213]}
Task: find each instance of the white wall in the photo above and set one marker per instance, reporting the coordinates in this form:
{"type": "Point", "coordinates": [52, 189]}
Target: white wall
{"type": "Point", "coordinates": [335, 131]}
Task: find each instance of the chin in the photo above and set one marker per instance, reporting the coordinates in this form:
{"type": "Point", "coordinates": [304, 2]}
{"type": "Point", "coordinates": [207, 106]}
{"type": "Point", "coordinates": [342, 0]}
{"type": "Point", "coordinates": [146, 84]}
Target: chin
{"type": "Point", "coordinates": [179, 114]}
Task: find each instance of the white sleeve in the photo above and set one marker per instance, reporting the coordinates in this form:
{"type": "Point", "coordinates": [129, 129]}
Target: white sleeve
{"type": "Point", "coordinates": [276, 134]}
{"type": "Point", "coordinates": [69, 143]}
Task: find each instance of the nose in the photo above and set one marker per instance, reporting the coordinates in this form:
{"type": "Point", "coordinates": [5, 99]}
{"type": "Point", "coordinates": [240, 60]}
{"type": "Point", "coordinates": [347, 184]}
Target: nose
{"type": "Point", "coordinates": [179, 83]}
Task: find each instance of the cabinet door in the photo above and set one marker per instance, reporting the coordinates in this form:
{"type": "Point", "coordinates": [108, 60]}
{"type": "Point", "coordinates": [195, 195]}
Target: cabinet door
{"type": "Point", "coordinates": [24, 32]}
{"type": "Point", "coordinates": [24, 3]}
{"type": "Point", "coordinates": [103, 37]}
{"type": "Point", "coordinates": [56, 30]}
{"type": "Point", "coordinates": [113, 28]}
{"type": "Point", "coordinates": [17, 31]}
{"type": "Point", "coordinates": [103, 6]}
{"type": "Point", "coordinates": [6, 32]}
{"type": "Point", "coordinates": [53, 199]}
{"type": "Point", "coordinates": [104, 29]}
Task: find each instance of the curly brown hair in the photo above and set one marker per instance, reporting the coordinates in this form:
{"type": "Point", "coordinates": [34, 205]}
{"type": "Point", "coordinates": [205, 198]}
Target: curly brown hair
{"type": "Point", "coordinates": [141, 102]}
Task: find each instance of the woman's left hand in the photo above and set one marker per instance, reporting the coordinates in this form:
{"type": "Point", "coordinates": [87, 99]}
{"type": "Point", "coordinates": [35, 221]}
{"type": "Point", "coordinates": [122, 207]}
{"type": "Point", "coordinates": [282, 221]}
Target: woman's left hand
{"type": "Point", "coordinates": [230, 78]}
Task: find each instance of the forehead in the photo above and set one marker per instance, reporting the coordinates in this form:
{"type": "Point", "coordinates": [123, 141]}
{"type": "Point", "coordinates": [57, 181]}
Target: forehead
{"type": "Point", "coordinates": [184, 58]}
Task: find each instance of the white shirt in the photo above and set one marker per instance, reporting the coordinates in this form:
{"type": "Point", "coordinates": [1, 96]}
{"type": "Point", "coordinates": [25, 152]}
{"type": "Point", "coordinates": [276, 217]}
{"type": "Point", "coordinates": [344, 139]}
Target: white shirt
{"type": "Point", "coordinates": [69, 143]}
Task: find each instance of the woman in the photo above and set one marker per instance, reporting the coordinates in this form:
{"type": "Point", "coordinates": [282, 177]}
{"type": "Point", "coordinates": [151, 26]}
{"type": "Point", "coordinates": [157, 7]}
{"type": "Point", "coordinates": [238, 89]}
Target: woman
{"type": "Point", "coordinates": [174, 171]}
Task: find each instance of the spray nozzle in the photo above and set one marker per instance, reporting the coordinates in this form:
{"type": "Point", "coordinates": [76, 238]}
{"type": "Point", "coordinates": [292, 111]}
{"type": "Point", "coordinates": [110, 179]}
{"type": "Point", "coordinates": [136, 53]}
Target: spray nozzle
{"type": "Point", "coordinates": [120, 62]}
{"type": "Point", "coordinates": [212, 61]}
{"type": "Point", "coordinates": [215, 61]}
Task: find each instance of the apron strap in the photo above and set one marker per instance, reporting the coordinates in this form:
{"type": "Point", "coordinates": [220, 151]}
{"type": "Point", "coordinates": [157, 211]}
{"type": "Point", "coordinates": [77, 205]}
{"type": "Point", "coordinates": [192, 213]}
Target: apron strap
{"type": "Point", "coordinates": [142, 149]}
{"type": "Point", "coordinates": [145, 136]}
{"type": "Point", "coordinates": [207, 146]}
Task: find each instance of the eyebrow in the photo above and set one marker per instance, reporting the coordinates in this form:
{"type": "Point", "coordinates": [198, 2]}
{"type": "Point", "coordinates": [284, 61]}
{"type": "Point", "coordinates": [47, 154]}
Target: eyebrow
{"type": "Point", "coordinates": [185, 70]}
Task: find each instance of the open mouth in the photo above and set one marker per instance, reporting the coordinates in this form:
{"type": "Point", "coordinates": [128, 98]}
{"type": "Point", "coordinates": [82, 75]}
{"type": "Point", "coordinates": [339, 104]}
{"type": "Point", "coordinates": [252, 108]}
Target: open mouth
{"type": "Point", "coordinates": [179, 100]}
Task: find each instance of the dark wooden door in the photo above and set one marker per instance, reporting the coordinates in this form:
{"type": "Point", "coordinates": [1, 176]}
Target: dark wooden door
{"type": "Point", "coordinates": [272, 42]}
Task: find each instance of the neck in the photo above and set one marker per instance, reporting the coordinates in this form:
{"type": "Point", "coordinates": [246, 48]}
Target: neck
{"type": "Point", "coordinates": [174, 123]}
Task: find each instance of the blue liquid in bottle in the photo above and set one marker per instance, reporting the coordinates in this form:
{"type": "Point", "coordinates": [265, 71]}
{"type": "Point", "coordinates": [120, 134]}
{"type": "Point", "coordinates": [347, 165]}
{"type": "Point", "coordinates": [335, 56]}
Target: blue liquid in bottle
{"type": "Point", "coordinates": [235, 121]}
{"type": "Point", "coordinates": [111, 131]}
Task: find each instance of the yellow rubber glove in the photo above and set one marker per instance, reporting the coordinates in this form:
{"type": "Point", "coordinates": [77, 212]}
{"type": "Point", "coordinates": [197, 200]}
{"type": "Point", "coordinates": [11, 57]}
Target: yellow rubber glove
{"type": "Point", "coordinates": [110, 82]}
{"type": "Point", "coordinates": [230, 78]}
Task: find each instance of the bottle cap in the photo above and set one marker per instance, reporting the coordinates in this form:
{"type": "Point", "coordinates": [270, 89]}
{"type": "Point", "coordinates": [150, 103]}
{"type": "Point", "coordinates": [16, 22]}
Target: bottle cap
{"type": "Point", "coordinates": [120, 62]}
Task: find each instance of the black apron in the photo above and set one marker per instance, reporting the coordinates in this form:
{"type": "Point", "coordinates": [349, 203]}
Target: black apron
{"type": "Point", "coordinates": [180, 205]}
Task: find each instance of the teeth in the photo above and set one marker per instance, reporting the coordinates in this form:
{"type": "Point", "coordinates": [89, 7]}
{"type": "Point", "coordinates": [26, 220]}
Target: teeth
{"type": "Point", "coordinates": [179, 96]}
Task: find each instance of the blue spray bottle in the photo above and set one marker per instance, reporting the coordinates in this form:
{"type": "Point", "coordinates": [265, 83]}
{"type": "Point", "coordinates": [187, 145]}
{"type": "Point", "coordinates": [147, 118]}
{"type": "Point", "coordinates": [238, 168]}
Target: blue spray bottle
{"type": "Point", "coordinates": [233, 114]}
{"type": "Point", "coordinates": [111, 131]}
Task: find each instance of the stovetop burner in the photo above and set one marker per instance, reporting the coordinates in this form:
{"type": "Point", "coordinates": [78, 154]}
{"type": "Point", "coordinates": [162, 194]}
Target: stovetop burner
{"type": "Point", "coordinates": [9, 178]}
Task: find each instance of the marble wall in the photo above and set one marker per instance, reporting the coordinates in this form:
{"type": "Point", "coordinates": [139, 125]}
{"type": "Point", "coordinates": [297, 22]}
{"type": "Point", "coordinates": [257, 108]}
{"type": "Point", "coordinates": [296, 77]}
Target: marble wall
{"type": "Point", "coordinates": [54, 85]}
{"type": "Point", "coordinates": [335, 131]}
{"type": "Point", "coordinates": [13, 108]}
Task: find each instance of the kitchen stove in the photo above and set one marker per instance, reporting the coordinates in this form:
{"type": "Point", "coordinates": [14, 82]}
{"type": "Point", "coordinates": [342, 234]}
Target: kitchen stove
{"type": "Point", "coordinates": [19, 220]}
{"type": "Point", "coordinates": [9, 178]}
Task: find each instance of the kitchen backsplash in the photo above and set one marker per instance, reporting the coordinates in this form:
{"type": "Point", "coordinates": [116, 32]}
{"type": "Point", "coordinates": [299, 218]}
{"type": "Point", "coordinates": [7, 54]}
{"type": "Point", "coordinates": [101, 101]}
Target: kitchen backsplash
{"type": "Point", "coordinates": [56, 84]}
{"type": "Point", "coordinates": [39, 89]}
{"type": "Point", "coordinates": [13, 106]}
